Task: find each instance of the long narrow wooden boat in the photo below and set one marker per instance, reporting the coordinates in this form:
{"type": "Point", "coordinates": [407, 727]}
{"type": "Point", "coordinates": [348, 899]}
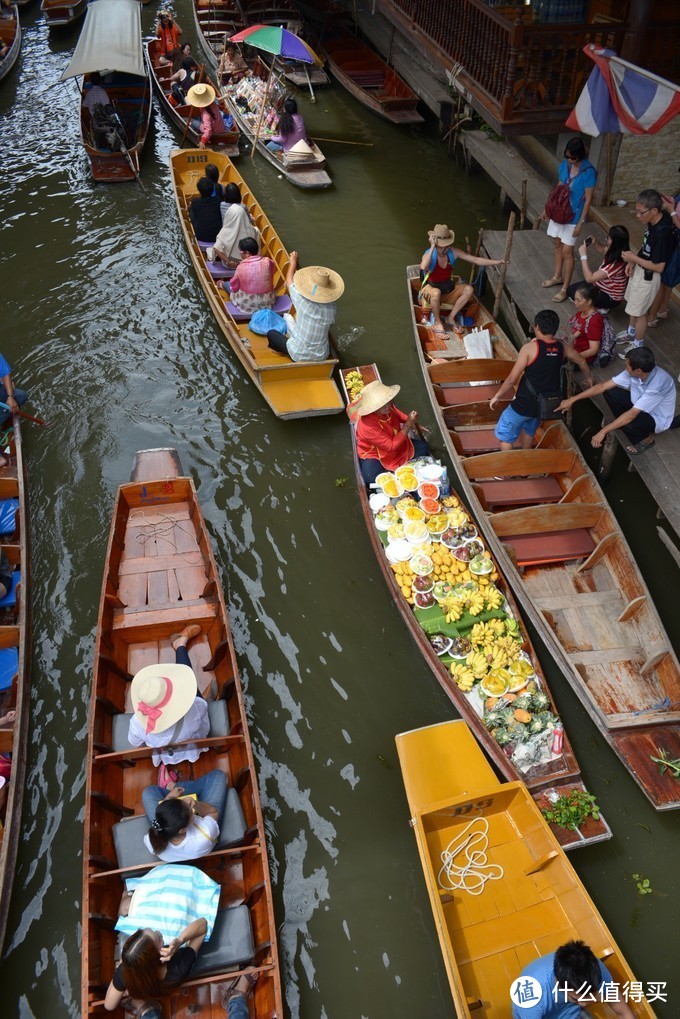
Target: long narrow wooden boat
{"type": "Point", "coordinates": [536, 904]}
{"type": "Point", "coordinates": [60, 12]}
{"type": "Point", "coordinates": [368, 78]}
{"type": "Point", "coordinates": [561, 773]}
{"type": "Point", "coordinates": [285, 14]}
{"type": "Point", "coordinates": [15, 646]}
{"type": "Point", "coordinates": [227, 142]}
{"type": "Point", "coordinates": [10, 36]}
{"type": "Point", "coordinates": [559, 544]}
{"type": "Point", "coordinates": [291, 388]}
{"type": "Point", "coordinates": [160, 575]}
{"type": "Point", "coordinates": [215, 23]}
{"type": "Point", "coordinates": [112, 38]}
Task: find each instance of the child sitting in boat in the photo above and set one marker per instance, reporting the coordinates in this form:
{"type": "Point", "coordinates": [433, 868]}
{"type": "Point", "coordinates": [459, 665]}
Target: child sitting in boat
{"type": "Point", "coordinates": [168, 708]}
{"type": "Point", "coordinates": [184, 828]}
{"type": "Point", "coordinates": [383, 435]}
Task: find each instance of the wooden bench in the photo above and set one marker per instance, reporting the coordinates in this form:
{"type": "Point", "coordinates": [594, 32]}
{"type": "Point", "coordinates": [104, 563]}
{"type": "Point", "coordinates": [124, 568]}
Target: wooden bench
{"type": "Point", "coordinates": [469, 442]}
{"type": "Point", "coordinates": [505, 479]}
{"type": "Point", "coordinates": [549, 534]}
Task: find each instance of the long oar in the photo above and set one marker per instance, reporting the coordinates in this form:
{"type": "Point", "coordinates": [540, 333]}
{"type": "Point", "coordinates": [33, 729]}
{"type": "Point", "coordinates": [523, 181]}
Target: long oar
{"type": "Point", "coordinates": [120, 131]}
{"type": "Point", "coordinates": [29, 417]}
{"type": "Point", "coordinates": [344, 141]}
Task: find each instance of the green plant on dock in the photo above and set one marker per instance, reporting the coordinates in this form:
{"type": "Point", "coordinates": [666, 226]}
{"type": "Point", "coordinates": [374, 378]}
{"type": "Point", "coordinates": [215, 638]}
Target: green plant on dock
{"type": "Point", "coordinates": [571, 809]}
{"type": "Point", "coordinates": [667, 763]}
{"type": "Point", "coordinates": [643, 883]}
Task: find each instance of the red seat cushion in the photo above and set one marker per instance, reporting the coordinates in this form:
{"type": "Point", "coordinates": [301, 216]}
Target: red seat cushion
{"type": "Point", "coordinates": [482, 440]}
{"type": "Point", "coordinates": [455, 396]}
{"type": "Point", "coordinates": [551, 546]}
{"type": "Point", "coordinates": [521, 491]}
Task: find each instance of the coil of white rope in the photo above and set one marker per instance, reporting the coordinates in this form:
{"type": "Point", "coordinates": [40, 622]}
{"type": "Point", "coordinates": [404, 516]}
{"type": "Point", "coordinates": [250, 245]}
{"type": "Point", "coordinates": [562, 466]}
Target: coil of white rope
{"type": "Point", "coordinates": [471, 843]}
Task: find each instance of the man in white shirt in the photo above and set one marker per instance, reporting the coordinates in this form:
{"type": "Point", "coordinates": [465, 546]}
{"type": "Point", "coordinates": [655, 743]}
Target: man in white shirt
{"type": "Point", "coordinates": [641, 398]}
{"type": "Point", "coordinates": [95, 94]}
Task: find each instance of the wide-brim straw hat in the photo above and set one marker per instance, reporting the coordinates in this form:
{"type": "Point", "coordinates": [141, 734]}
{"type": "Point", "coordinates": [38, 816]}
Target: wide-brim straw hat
{"type": "Point", "coordinates": [201, 95]}
{"type": "Point", "coordinates": [161, 694]}
{"type": "Point", "coordinates": [374, 396]}
{"type": "Point", "coordinates": [319, 284]}
{"type": "Point", "coordinates": [443, 236]}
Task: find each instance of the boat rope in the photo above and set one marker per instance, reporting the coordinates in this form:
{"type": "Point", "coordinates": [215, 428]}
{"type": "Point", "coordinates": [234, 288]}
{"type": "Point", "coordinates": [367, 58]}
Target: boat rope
{"type": "Point", "coordinates": [161, 529]}
{"type": "Point", "coordinates": [471, 877]}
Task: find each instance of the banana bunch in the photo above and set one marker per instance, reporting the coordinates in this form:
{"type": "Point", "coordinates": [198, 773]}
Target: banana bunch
{"type": "Point", "coordinates": [493, 598]}
{"type": "Point", "coordinates": [404, 576]}
{"type": "Point", "coordinates": [511, 648]}
{"type": "Point", "coordinates": [450, 502]}
{"type": "Point", "coordinates": [454, 609]}
{"type": "Point", "coordinates": [463, 677]}
{"type": "Point", "coordinates": [476, 603]}
{"type": "Point", "coordinates": [478, 664]}
{"type": "Point", "coordinates": [457, 517]}
{"type": "Point", "coordinates": [498, 658]}
{"type": "Point", "coordinates": [479, 634]}
{"type": "Point", "coordinates": [354, 383]}
{"type": "Point", "coordinates": [497, 627]}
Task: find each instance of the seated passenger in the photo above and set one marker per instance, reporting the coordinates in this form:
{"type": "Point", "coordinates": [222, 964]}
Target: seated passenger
{"type": "Point", "coordinates": [232, 66]}
{"type": "Point", "coordinates": [211, 121]}
{"type": "Point", "coordinates": [383, 434]}
{"type": "Point", "coordinates": [182, 80]}
{"type": "Point", "coordinates": [205, 212]}
{"type": "Point", "coordinates": [95, 94]}
{"type": "Point", "coordinates": [587, 325]}
{"type": "Point", "coordinates": [149, 969]}
{"type": "Point", "coordinates": [213, 174]}
{"type": "Point", "coordinates": [438, 277]}
{"type": "Point", "coordinates": [252, 285]}
{"type": "Point", "coordinates": [10, 395]}
{"type": "Point", "coordinates": [168, 707]}
{"type": "Point", "coordinates": [183, 828]}
{"type": "Point", "coordinates": [237, 224]}
{"type": "Point", "coordinates": [314, 292]}
{"type": "Point", "coordinates": [291, 128]}
{"type": "Point", "coordinates": [168, 31]}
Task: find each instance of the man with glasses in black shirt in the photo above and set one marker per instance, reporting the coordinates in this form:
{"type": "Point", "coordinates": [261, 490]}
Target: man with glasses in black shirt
{"type": "Point", "coordinates": [646, 267]}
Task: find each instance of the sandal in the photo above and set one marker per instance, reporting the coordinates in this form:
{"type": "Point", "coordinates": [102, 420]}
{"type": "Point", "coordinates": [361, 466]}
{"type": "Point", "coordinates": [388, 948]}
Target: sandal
{"type": "Point", "coordinates": [660, 317]}
{"type": "Point", "coordinates": [635, 449]}
{"type": "Point", "coordinates": [552, 282]}
{"type": "Point", "coordinates": [560, 296]}
{"type": "Point", "coordinates": [166, 775]}
{"type": "Point", "coordinates": [251, 977]}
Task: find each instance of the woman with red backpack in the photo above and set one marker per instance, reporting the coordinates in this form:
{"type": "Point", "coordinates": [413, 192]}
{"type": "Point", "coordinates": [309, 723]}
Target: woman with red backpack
{"type": "Point", "coordinates": [566, 212]}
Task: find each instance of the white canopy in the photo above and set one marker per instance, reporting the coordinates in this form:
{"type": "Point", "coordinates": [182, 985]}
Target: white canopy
{"type": "Point", "coordinates": [111, 39]}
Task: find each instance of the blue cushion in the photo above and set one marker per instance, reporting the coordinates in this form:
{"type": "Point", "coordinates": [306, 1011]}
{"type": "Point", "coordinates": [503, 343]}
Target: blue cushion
{"type": "Point", "coordinates": [11, 596]}
{"type": "Point", "coordinates": [8, 508]}
{"type": "Point", "coordinates": [9, 666]}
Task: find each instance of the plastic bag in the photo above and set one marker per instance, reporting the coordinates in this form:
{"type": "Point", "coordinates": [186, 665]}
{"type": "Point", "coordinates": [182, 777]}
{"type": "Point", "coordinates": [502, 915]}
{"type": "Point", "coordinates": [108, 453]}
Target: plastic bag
{"type": "Point", "coordinates": [262, 321]}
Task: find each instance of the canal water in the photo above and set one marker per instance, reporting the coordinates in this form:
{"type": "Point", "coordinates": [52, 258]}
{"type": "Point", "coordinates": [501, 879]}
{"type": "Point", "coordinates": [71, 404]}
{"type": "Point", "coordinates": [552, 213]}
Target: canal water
{"type": "Point", "coordinates": [107, 327]}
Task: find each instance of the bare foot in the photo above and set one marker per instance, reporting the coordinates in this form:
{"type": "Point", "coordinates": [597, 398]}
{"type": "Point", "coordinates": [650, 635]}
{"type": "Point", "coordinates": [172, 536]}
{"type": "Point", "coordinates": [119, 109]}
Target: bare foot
{"type": "Point", "coordinates": [3, 461]}
{"type": "Point", "coordinates": [188, 633]}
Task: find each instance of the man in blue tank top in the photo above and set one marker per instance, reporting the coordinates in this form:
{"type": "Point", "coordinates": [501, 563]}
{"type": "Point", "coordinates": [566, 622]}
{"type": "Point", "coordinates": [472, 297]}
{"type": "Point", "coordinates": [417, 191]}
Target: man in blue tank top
{"type": "Point", "coordinates": [537, 370]}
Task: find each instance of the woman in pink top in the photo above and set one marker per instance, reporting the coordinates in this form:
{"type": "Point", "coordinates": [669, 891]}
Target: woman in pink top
{"type": "Point", "coordinates": [291, 128]}
{"type": "Point", "coordinates": [610, 280]}
{"type": "Point", "coordinates": [252, 285]}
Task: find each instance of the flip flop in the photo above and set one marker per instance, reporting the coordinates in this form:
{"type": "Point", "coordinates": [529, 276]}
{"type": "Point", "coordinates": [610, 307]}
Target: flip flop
{"type": "Point", "coordinates": [552, 282]}
{"type": "Point", "coordinates": [635, 449]}
{"type": "Point", "coordinates": [167, 774]}
{"type": "Point", "coordinates": [560, 296]}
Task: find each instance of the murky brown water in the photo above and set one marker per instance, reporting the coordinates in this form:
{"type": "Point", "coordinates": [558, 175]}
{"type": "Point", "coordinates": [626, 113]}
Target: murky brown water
{"type": "Point", "coordinates": [106, 326]}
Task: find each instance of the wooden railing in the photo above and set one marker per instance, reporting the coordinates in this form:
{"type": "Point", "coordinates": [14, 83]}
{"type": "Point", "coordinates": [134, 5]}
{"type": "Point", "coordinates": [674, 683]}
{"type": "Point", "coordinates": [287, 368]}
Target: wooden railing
{"type": "Point", "coordinates": [523, 72]}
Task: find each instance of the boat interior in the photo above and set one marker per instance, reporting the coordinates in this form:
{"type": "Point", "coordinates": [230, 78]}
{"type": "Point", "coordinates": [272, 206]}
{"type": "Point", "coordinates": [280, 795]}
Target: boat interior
{"type": "Point", "coordinates": [11, 603]}
{"type": "Point", "coordinates": [367, 70]}
{"type": "Point", "coordinates": [161, 576]}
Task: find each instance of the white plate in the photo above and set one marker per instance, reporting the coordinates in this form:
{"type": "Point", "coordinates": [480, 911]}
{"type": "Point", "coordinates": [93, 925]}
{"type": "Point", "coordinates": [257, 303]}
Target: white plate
{"type": "Point", "coordinates": [398, 551]}
{"type": "Point", "coordinates": [378, 501]}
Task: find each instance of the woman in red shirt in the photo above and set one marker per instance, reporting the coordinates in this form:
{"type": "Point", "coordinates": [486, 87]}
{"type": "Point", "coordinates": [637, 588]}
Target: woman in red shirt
{"type": "Point", "coordinates": [382, 433]}
{"type": "Point", "coordinates": [587, 324]}
{"type": "Point", "coordinates": [610, 279]}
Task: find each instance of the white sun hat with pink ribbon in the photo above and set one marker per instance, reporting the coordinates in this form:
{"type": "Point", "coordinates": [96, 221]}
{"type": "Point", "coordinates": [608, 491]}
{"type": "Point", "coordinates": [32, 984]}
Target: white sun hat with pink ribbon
{"type": "Point", "coordinates": [162, 694]}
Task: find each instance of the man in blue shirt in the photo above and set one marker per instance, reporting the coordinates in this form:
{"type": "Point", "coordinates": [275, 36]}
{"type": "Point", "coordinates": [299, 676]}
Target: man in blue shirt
{"type": "Point", "coordinates": [560, 986]}
{"type": "Point", "coordinates": [13, 397]}
{"type": "Point", "coordinates": [642, 400]}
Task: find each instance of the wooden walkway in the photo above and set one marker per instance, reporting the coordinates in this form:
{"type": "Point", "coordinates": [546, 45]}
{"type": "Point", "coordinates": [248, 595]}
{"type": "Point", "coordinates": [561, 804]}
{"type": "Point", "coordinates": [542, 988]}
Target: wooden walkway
{"type": "Point", "coordinates": [531, 262]}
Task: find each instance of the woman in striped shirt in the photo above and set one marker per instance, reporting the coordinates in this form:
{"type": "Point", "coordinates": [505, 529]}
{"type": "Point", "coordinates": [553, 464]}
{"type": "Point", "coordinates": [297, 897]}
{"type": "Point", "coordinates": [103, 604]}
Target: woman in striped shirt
{"type": "Point", "coordinates": [610, 280]}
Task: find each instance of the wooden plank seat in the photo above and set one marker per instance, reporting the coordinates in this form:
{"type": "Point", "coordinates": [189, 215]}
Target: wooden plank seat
{"type": "Point", "coordinates": [476, 440]}
{"type": "Point", "coordinates": [143, 623]}
{"type": "Point", "coordinates": [120, 725]}
{"type": "Point", "coordinates": [128, 834]}
{"type": "Point", "coordinates": [470, 370]}
{"type": "Point", "coordinates": [458, 396]}
{"type": "Point", "coordinates": [550, 546]}
{"type": "Point", "coordinates": [521, 491]}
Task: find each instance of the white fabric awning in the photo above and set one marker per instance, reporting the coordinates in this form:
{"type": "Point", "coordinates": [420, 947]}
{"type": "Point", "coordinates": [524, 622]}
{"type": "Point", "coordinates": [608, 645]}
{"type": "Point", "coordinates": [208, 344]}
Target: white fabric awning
{"type": "Point", "coordinates": [111, 39]}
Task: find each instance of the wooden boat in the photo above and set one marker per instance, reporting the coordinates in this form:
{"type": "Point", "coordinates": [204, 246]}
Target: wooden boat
{"type": "Point", "coordinates": [160, 575]}
{"type": "Point", "coordinates": [215, 23]}
{"type": "Point", "coordinates": [368, 78]}
{"type": "Point", "coordinates": [112, 38]}
{"type": "Point", "coordinates": [15, 647]}
{"type": "Point", "coordinates": [284, 13]}
{"type": "Point", "coordinates": [291, 389]}
{"type": "Point", "coordinates": [537, 904]}
{"type": "Point", "coordinates": [227, 142]}
{"type": "Point", "coordinates": [10, 36]}
{"type": "Point", "coordinates": [562, 773]}
{"type": "Point", "coordinates": [60, 12]}
{"type": "Point", "coordinates": [559, 544]}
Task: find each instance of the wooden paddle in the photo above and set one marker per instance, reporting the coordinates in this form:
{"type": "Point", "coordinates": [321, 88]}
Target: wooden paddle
{"type": "Point", "coordinates": [344, 141]}
{"type": "Point", "coordinates": [29, 417]}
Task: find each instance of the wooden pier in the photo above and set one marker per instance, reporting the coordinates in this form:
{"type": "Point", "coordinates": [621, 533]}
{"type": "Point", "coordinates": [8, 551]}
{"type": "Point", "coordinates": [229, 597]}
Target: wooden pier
{"type": "Point", "coordinates": [531, 261]}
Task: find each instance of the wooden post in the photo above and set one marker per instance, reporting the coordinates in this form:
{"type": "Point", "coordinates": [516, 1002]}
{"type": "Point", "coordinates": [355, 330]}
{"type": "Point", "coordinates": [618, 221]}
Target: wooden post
{"type": "Point", "coordinates": [264, 103]}
{"type": "Point", "coordinates": [477, 250]}
{"type": "Point", "coordinates": [504, 267]}
{"type": "Point", "coordinates": [523, 205]}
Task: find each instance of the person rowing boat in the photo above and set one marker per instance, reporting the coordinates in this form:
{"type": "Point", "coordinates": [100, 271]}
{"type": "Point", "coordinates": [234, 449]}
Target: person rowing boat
{"type": "Point", "coordinates": [384, 438]}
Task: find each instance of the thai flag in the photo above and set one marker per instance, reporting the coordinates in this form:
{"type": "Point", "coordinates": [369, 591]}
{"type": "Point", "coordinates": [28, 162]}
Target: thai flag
{"type": "Point", "coordinates": [621, 97]}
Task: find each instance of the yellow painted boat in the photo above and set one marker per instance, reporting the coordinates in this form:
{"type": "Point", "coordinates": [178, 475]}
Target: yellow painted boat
{"type": "Point", "coordinates": [293, 389]}
{"type": "Point", "coordinates": [536, 905]}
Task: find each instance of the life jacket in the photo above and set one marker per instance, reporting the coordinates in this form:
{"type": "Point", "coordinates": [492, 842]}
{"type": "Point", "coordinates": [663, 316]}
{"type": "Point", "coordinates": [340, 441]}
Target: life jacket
{"type": "Point", "coordinates": [433, 262]}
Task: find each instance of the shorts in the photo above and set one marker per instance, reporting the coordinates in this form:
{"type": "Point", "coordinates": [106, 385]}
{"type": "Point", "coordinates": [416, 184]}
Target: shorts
{"type": "Point", "coordinates": [565, 232]}
{"type": "Point", "coordinates": [510, 424]}
{"type": "Point", "coordinates": [640, 293]}
{"type": "Point", "coordinates": [445, 287]}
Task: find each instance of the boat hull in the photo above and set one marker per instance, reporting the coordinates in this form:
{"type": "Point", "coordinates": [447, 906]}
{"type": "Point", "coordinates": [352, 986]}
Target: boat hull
{"type": "Point", "coordinates": [57, 14]}
{"type": "Point", "coordinates": [10, 35]}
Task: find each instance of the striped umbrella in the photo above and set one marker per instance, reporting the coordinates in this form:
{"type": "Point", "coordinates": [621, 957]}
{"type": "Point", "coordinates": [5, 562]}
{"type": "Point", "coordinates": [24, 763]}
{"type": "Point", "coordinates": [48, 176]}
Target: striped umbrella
{"type": "Point", "coordinates": [279, 41]}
